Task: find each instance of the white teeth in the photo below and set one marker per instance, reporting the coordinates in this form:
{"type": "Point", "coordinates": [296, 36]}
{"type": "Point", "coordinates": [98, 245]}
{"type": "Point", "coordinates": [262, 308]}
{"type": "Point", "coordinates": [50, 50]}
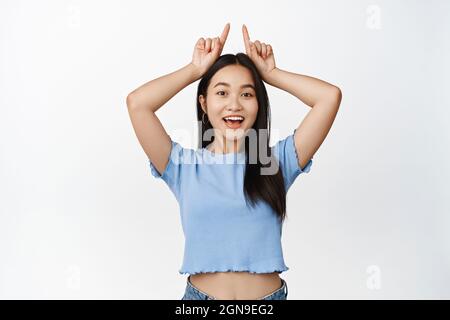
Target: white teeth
{"type": "Point", "coordinates": [234, 118]}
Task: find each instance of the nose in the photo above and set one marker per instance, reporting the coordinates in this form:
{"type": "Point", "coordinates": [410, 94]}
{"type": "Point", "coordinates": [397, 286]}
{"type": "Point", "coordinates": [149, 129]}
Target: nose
{"type": "Point", "coordinates": [234, 105]}
{"type": "Point", "coordinates": [234, 108]}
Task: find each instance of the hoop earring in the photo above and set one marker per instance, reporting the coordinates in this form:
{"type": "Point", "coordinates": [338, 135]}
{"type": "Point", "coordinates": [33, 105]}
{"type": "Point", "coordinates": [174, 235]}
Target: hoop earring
{"type": "Point", "coordinates": [203, 118]}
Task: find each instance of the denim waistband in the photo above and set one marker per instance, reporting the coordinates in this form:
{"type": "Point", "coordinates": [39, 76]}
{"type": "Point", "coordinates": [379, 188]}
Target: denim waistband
{"type": "Point", "coordinates": [283, 288]}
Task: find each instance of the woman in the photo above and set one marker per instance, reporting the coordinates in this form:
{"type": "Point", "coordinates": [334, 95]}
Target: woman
{"type": "Point", "coordinates": [232, 215]}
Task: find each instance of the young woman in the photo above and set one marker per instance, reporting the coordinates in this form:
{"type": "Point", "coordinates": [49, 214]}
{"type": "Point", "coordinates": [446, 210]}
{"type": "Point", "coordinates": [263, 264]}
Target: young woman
{"type": "Point", "coordinates": [232, 201]}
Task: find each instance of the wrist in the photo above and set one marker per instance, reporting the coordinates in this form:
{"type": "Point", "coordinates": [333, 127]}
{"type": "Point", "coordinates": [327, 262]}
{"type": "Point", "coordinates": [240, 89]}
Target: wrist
{"type": "Point", "coordinates": [194, 71]}
{"type": "Point", "coordinates": [271, 76]}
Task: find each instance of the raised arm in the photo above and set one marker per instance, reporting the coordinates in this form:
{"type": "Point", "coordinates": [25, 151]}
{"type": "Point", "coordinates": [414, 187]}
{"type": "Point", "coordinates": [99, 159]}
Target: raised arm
{"type": "Point", "coordinates": [142, 104]}
{"type": "Point", "coordinates": [323, 97]}
{"type": "Point", "coordinates": [144, 101]}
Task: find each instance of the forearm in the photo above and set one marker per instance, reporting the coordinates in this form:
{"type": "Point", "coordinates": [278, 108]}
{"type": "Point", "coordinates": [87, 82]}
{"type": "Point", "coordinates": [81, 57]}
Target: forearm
{"type": "Point", "coordinates": [308, 89]}
{"type": "Point", "coordinates": [155, 93]}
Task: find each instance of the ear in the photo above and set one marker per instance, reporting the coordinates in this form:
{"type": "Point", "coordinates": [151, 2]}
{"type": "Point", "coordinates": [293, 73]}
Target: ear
{"type": "Point", "coordinates": [202, 101]}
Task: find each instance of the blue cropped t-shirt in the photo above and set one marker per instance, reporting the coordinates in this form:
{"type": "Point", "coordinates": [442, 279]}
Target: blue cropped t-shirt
{"type": "Point", "coordinates": [221, 232]}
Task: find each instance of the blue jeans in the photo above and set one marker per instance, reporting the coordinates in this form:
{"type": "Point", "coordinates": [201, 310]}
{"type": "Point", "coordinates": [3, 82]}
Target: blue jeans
{"type": "Point", "coordinates": [193, 293]}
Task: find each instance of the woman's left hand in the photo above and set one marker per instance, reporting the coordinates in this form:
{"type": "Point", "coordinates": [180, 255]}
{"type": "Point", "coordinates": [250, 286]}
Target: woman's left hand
{"type": "Point", "coordinates": [260, 53]}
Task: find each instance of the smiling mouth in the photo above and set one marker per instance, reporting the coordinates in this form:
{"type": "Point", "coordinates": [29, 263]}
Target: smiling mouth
{"type": "Point", "coordinates": [233, 124]}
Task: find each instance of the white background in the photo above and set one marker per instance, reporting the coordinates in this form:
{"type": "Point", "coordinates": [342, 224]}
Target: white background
{"type": "Point", "coordinates": [81, 217]}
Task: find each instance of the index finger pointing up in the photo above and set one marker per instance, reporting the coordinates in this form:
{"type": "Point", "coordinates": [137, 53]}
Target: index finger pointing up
{"type": "Point", "coordinates": [224, 35]}
{"type": "Point", "coordinates": [246, 38]}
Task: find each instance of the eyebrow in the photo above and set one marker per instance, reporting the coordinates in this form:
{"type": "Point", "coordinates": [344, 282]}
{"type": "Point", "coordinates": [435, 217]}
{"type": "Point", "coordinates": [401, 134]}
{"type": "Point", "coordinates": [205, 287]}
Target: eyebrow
{"type": "Point", "coordinates": [227, 85]}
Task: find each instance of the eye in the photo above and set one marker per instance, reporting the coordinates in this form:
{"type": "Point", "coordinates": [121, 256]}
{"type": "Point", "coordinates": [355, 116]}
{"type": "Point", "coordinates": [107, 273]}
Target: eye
{"type": "Point", "coordinates": [248, 94]}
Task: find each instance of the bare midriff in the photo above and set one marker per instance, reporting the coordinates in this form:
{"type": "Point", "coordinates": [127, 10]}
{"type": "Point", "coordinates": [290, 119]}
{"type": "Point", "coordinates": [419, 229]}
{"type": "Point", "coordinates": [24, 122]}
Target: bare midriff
{"type": "Point", "coordinates": [236, 285]}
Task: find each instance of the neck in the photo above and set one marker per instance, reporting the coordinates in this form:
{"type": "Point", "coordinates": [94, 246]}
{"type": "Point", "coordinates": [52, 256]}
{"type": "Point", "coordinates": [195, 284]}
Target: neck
{"type": "Point", "coordinates": [225, 146]}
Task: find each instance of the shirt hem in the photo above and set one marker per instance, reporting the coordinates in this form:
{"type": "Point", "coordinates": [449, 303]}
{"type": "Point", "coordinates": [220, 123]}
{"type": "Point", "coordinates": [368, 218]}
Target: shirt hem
{"type": "Point", "coordinates": [236, 269]}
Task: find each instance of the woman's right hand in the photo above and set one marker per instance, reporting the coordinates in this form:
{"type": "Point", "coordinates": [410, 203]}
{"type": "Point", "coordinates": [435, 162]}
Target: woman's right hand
{"type": "Point", "coordinates": [206, 52]}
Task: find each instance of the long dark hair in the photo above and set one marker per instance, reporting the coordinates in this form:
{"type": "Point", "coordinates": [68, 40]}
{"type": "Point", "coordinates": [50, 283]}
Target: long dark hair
{"type": "Point", "coordinates": [268, 188]}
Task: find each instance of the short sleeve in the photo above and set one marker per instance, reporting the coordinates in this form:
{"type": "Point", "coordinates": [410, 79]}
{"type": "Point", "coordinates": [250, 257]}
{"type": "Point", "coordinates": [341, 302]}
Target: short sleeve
{"type": "Point", "coordinates": [173, 171]}
{"type": "Point", "coordinates": [286, 153]}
